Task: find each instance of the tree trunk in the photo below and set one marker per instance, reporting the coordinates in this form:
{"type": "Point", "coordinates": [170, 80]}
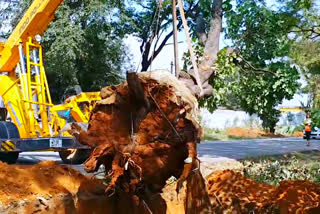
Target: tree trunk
{"type": "Point", "coordinates": [211, 48]}
{"type": "Point", "coordinates": [210, 54]}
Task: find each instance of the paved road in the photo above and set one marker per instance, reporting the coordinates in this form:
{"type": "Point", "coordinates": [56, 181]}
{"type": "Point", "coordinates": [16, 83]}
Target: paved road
{"type": "Point", "coordinates": [215, 150]}
{"type": "Point", "coordinates": [239, 149]}
{"type": "Point", "coordinates": [30, 158]}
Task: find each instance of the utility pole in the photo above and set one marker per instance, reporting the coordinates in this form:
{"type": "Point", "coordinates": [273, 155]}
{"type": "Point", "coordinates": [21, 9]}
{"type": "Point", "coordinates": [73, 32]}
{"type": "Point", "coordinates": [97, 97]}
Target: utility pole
{"type": "Point", "coordinates": [175, 38]}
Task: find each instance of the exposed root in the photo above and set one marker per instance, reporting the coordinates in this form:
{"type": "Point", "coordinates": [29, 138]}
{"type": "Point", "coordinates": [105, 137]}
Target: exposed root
{"type": "Point", "coordinates": [144, 131]}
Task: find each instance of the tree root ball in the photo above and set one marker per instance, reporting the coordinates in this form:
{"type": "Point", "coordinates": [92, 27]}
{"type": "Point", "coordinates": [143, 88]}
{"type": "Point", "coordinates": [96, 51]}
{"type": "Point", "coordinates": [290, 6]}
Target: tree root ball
{"type": "Point", "coordinates": [144, 131]}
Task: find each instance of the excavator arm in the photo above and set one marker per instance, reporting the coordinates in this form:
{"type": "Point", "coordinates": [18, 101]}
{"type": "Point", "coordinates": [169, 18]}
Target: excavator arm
{"type": "Point", "coordinates": [35, 21]}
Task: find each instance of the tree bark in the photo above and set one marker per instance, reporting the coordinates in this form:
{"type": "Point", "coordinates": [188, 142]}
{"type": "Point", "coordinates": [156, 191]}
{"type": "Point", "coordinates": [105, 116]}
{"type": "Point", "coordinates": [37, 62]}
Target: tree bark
{"type": "Point", "coordinates": [211, 48]}
{"type": "Point", "coordinates": [210, 55]}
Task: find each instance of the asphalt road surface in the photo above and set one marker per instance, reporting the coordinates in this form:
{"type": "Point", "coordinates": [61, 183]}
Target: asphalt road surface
{"type": "Point", "coordinates": [214, 150]}
{"type": "Point", "coordinates": [239, 149]}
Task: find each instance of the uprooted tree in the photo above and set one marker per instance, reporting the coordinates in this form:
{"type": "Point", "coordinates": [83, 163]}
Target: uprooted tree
{"type": "Point", "coordinates": [144, 131]}
{"type": "Point", "coordinates": [258, 75]}
{"type": "Point", "coordinates": [151, 25]}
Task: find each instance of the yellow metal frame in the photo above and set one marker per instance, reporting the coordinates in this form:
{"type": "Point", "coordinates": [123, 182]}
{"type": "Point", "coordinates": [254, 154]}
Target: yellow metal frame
{"type": "Point", "coordinates": [80, 105]}
{"type": "Point", "coordinates": [36, 86]}
{"type": "Point", "coordinates": [34, 21]}
{"type": "Point", "coordinates": [27, 97]}
{"type": "Point", "coordinates": [24, 86]}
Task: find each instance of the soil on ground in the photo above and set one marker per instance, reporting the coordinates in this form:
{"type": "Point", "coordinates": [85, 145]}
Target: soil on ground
{"type": "Point", "coordinates": [48, 187]}
{"type": "Point", "coordinates": [232, 192]}
{"type": "Point", "coordinates": [45, 179]}
{"type": "Point", "coordinates": [52, 188]}
{"type": "Point", "coordinates": [248, 133]}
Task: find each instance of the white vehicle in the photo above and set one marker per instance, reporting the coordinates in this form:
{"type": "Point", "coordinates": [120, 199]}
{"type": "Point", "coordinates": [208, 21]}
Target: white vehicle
{"type": "Point", "coordinates": [315, 133]}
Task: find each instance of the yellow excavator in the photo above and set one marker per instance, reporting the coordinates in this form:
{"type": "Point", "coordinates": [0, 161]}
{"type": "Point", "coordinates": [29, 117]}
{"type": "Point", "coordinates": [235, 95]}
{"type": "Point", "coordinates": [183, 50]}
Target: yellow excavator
{"type": "Point", "coordinates": [33, 123]}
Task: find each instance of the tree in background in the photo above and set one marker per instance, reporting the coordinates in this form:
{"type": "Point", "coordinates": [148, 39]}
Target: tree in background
{"type": "Point", "coordinates": [305, 51]}
{"type": "Point", "coordinates": [152, 23]}
{"type": "Point", "coordinates": [255, 73]}
{"type": "Point", "coordinates": [8, 10]}
{"type": "Point", "coordinates": [306, 54]}
{"type": "Point", "coordinates": [265, 74]}
{"type": "Point", "coordinates": [83, 45]}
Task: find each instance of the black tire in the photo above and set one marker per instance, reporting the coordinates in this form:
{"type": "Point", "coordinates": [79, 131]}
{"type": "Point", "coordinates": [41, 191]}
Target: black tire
{"type": "Point", "coordinates": [9, 157]}
{"type": "Point", "coordinates": [3, 114]}
{"type": "Point", "coordinates": [8, 131]}
{"type": "Point", "coordinates": [80, 156]}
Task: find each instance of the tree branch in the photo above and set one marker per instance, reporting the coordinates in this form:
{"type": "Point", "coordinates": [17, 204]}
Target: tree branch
{"type": "Point", "coordinates": [313, 31]}
{"type": "Point", "coordinates": [254, 68]}
{"type": "Point", "coordinates": [163, 43]}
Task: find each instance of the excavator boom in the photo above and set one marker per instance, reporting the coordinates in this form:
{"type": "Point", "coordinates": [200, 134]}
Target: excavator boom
{"type": "Point", "coordinates": [35, 21]}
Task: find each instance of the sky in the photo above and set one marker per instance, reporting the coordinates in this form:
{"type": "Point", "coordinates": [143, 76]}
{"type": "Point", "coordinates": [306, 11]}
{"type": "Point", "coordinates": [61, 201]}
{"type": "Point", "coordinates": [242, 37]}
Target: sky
{"type": "Point", "coordinates": [166, 57]}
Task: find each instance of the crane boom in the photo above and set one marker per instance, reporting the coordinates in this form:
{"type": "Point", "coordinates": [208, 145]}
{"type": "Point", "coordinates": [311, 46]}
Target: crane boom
{"type": "Point", "coordinates": [33, 123]}
{"type": "Point", "coordinates": [35, 21]}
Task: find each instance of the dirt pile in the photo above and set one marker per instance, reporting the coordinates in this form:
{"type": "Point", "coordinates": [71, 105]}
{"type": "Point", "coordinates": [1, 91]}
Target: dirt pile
{"type": "Point", "coordinates": [231, 191]}
{"type": "Point", "coordinates": [56, 189]}
{"type": "Point", "coordinates": [51, 188]}
{"type": "Point", "coordinates": [247, 133]}
{"type": "Point", "coordinates": [298, 134]}
{"type": "Point", "coordinates": [144, 131]}
{"type": "Point", "coordinates": [45, 179]}
{"type": "Point", "coordinates": [43, 188]}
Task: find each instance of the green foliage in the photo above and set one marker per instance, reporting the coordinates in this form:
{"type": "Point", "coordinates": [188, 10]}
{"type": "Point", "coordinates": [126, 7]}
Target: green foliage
{"type": "Point", "coordinates": [299, 128]}
{"type": "Point", "coordinates": [254, 92]}
{"type": "Point", "coordinates": [215, 134]}
{"type": "Point", "coordinates": [10, 13]}
{"type": "Point", "coordinates": [286, 129]}
{"type": "Point", "coordinates": [273, 170]}
{"type": "Point", "coordinates": [305, 50]}
{"type": "Point", "coordinates": [259, 32]}
{"type": "Point", "coordinates": [186, 57]}
{"type": "Point", "coordinates": [224, 84]}
{"type": "Point", "coordinates": [83, 45]}
{"type": "Point", "coordinates": [306, 54]}
{"type": "Point", "coordinates": [257, 75]}
{"type": "Point", "coordinates": [315, 118]}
